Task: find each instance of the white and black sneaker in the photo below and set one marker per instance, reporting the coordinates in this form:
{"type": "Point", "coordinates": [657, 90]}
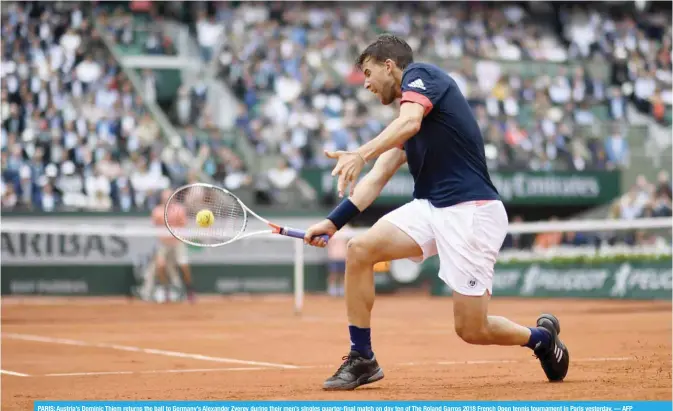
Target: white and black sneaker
{"type": "Point", "coordinates": [355, 371]}
{"type": "Point", "coordinates": [553, 357]}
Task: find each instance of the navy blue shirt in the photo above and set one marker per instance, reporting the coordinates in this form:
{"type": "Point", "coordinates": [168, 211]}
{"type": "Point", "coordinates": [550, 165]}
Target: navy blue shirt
{"type": "Point", "coordinates": [446, 157]}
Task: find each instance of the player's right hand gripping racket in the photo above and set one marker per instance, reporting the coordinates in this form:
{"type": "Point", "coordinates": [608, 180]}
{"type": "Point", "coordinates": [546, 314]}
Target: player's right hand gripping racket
{"type": "Point", "coordinates": [223, 218]}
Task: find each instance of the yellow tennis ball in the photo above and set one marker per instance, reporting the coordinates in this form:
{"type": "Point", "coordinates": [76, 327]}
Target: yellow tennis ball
{"type": "Point", "coordinates": [205, 218]}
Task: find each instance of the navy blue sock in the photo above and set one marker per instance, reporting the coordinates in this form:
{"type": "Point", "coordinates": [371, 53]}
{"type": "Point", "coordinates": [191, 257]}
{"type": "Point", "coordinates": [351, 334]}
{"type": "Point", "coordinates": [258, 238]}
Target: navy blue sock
{"type": "Point", "coordinates": [538, 335]}
{"type": "Point", "coordinates": [361, 340]}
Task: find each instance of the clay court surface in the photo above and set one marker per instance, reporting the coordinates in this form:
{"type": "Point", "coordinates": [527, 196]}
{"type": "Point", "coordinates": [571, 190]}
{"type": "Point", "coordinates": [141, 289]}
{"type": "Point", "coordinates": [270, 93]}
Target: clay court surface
{"type": "Point", "coordinates": [227, 348]}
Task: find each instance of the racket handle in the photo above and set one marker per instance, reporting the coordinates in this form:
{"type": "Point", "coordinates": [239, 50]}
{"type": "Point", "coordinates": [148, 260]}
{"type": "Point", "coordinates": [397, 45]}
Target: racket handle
{"type": "Point", "coordinates": [291, 232]}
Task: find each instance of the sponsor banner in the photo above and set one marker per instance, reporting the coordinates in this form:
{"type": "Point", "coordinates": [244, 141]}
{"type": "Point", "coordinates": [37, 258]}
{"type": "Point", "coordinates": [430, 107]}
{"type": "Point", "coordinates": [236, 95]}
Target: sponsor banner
{"type": "Point", "coordinates": [92, 280]}
{"type": "Point", "coordinates": [516, 188]}
{"type": "Point", "coordinates": [97, 280]}
{"type": "Point", "coordinates": [36, 249]}
{"type": "Point", "coordinates": [105, 264]}
{"type": "Point", "coordinates": [627, 280]}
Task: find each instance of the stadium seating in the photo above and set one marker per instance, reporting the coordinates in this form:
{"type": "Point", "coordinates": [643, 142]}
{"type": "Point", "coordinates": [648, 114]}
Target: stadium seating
{"type": "Point", "coordinates": [522, 75]}
{"type": "Point", "coordinates": [75, 132]}
{"type": "Point", "coordinates": [549, 87]}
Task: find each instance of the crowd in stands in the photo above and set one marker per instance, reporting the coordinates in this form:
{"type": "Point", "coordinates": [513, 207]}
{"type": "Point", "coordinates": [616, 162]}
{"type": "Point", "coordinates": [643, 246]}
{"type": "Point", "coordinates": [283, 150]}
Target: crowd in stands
{"type": "Point", "coordinates": [644, 199]}
{"type": "Point", "coordinates": [641, 66]}
{"type": "Point", "coordinates": [76, 134]}
{"type": "Point", "coordinates": [292, 68]}
{"type": "Point", "coordinates": [144, 29]}
{"type": "Point", "coordinates": [139, 25]}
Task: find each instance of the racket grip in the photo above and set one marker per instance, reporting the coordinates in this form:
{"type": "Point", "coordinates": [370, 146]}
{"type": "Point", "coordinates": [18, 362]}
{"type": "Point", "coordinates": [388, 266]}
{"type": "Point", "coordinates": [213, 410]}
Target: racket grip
{"type": "Point", "coordinates": [291, 232]}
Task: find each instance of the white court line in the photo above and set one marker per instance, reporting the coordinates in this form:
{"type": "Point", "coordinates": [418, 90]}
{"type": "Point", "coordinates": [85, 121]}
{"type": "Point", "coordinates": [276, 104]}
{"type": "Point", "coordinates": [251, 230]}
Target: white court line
{"type": "Point", "coordinates": [477, 362]}
{"type": "Point", "coordinates": [193, 370]}
{"type": "Point", "coordinates": [37, 338]}
{"type": "Point", "coordinates": [593, 359]}
{"type": "Point", "coordinates": [77, 374]}
{"type": "Point", "coordinates": [14, 373]}
{"type": "Point", "coordinates": [603, 359]}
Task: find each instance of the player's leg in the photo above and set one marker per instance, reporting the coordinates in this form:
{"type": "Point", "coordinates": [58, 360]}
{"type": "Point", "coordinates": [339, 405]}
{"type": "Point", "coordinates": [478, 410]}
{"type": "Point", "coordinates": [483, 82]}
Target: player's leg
{"type": "Point", "coordinates": [187, 280]}
{"type": "Point", "coordinates": [341, 279]}
{"type": "Point", "coordinates": [396, 236]}
{"type": "Point", "coordinates": [383, 242]}
{"type": "Point", "coordinates": [475, 326]}
{"type": "Point", "coordinates": [149, 277]}
{"type": "Point", "coordinates": [333, 282]}
{"type": "Point", "coordinates": [468, 240]}
{"type": "Point", "coordinates": [161, 262]}
{"type": "Point", "coordinates": [183, 263]}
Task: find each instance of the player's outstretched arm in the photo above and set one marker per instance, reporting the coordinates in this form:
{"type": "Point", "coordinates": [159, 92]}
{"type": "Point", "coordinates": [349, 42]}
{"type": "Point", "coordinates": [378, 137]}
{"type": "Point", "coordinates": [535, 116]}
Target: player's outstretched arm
{"type": "Point", "coordinates": [350, 163]}
{"type": "Point", "coordinates": [363, 196]}
{"type": "Point", "coordinates": [372, 184]}
{"type": "Point", "coordinates": [405, 126]}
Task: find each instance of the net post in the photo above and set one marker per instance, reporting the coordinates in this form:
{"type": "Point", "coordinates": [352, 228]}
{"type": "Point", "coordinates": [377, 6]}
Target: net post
{"type": "Point", "coordinates": [298, 277]}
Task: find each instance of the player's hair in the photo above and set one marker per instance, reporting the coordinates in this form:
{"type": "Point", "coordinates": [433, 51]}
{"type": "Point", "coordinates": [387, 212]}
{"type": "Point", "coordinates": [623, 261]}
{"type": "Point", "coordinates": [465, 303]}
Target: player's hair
{"type": "Point", "coordinates": [387, 46]}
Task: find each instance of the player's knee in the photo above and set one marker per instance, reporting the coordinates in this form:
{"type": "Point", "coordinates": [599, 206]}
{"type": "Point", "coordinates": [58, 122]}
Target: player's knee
{"type": "Point", "coordinates": [472, 334]}
{"type": "Point", "coordinates": [360, 250]}
{"type": "Point", "coordinates": [161, 263]}
{"type": "Point", "coordinates": [471, 330]}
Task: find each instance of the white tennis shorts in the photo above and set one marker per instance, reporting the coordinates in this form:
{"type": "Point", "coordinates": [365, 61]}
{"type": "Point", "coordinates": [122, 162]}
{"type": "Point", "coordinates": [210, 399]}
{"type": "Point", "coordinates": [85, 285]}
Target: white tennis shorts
{"type": "Point", "coordinates": [467, 237]}
{"type": "Point", "coordinates": [173, 253]}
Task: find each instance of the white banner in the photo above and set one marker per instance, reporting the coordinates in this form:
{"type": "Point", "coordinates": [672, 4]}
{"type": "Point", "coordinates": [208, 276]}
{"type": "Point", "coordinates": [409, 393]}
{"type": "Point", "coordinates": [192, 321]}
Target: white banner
{"type": "Point", "coordinates": [33, 248]}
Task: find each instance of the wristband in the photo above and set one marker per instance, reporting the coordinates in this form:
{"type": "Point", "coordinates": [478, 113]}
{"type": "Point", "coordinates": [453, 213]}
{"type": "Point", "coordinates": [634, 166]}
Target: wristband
{"type": "Point", "coordinates": [343, 213]}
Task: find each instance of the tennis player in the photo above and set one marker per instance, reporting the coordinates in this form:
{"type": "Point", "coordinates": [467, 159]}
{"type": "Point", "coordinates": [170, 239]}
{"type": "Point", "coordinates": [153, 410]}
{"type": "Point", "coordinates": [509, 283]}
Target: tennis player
{"type": "Point", "coordinates": [171, 251]}
{"type": "Point", "coordinates": [456, 213]}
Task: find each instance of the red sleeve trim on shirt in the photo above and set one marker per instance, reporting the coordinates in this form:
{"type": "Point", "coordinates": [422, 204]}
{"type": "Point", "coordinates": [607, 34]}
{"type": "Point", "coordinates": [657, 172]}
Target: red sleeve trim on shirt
{"type": "Point", "coordinates": [419, 98]}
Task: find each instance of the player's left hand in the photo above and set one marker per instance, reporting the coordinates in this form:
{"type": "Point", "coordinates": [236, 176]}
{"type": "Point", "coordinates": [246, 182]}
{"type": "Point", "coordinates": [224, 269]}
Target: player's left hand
{"type": "Point", "coordinates": [348, 168]}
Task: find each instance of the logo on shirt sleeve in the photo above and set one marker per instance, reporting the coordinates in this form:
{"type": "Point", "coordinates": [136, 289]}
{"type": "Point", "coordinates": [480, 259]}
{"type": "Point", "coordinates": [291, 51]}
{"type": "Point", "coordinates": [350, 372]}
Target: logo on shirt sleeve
{"type": "Point", "coordinates": [418, 83]}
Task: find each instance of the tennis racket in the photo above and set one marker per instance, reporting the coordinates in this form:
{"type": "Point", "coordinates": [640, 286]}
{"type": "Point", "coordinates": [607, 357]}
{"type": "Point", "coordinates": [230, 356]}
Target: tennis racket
{"type": "Point", "coordinates": [204, 215]}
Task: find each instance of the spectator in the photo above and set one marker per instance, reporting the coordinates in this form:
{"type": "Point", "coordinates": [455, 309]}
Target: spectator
{"type": "Point", "coordinates": [617, 148]}
{"type": "Point", "coordinates": [517, 241]}
{"type": "Point", "coordinates": [235, 175]}
{"type": "Point", "coordinates": [282, 176]}
{"type": "Point", "coordinates": [548, 240]}
{"type": "Point", "coordinates": [147, 131]}
{"type": "Point", "coordinates": [208, 32]}
{"type": "Point", "coordinates": [573, 239]}
{"type": "Point", "coordinates": [664, 184]}
{"type": "Point", "coordinates": [47, 199]}
{"type": "Point", "coordinates": [9, 198]}
{"type": "Point", "coordinates": [100, 201]}
{"type": "Point", "coordinates": [661, 205]}
{"type": "Point", "coordinates": [617, 105]}
{"type": "Point", "coordinates": [125, 200]}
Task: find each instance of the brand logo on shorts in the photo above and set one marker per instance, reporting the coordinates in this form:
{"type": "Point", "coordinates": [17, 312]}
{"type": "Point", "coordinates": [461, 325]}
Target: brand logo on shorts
{"type": "Point", "coordinates": [472, 283]}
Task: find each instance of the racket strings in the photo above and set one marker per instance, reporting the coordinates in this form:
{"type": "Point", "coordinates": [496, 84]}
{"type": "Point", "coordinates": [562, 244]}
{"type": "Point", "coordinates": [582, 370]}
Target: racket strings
{"type": "Point", "coordinates": [228, 218]}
